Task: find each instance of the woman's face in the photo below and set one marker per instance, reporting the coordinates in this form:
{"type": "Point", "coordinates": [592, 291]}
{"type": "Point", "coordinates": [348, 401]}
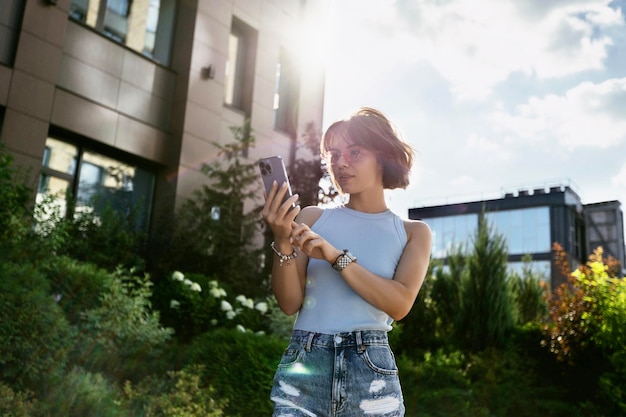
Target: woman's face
{"type": "Point", "coordinates": [355, 169]}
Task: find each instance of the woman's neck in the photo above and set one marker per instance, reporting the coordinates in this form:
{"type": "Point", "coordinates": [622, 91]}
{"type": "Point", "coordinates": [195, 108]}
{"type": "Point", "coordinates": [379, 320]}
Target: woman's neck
{"type": "Point", "coordinates": [367, 204]}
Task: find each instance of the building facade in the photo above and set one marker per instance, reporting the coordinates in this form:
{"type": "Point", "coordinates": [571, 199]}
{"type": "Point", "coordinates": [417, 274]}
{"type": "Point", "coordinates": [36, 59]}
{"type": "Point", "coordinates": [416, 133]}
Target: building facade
{"type": "Point", "coordinates": [531, 220]}
{"type": "Point", "coordinates": [125, 99]}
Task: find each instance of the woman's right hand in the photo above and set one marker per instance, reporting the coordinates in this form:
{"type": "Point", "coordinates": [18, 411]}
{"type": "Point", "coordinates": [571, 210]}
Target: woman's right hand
{"type": "Point", "coordinates": [280, 217]}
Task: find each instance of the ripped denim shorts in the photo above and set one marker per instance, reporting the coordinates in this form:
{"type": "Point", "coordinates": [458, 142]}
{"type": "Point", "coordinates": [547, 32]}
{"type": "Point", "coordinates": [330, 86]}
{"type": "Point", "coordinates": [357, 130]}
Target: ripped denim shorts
{"type": "Point", "coordinates": [337, 375]}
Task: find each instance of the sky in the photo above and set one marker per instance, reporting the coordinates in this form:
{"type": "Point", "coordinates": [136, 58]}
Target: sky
{"type": "Point", "coordinates": [494, 95]}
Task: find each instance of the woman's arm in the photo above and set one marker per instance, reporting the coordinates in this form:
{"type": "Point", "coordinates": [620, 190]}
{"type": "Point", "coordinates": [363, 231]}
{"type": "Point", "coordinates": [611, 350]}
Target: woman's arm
{"type": "Point", "coordinates": [393, 296]}
{"type": "Point", "coordinates": [288, 281]}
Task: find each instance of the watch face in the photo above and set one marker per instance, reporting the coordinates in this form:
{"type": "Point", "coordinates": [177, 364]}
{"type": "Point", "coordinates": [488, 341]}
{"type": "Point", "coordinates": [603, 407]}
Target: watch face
{"type": "Point", "coordinates": [344, 260]}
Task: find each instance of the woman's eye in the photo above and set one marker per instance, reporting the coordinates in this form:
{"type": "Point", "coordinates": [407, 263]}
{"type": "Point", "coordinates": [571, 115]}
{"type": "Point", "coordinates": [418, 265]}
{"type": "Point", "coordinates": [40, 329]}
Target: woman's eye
{"type": "Point", "coordinates": [355, 153]}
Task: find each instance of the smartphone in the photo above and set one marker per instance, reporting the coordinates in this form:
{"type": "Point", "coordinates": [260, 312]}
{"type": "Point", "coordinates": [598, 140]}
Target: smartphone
{"type": "Point", "coordinates": [273, 169]}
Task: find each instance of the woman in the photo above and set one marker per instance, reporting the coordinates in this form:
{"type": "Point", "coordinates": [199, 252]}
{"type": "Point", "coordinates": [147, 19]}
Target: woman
{"type": "Point", "coordinates": [348, 272]}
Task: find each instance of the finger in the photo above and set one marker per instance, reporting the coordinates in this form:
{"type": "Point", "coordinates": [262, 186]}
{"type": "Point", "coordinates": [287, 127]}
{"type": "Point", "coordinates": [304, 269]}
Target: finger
{"type": "Point", "coordinates": [278, 197]}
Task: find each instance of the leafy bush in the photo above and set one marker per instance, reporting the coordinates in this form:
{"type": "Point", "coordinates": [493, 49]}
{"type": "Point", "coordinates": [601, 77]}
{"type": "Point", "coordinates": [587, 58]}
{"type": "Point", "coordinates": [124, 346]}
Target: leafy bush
{"type": "Point", "coordinates": [108, 237]}
{"type": "Point", "coordinates": [76, 285]}
{"type": "Point", "coordinates": [34, 334]}
{"type": "Point", "coordinates": [197, 304]}
{"type": "Point", "coordinates": [240, 365]}
{"type": "Point", "coordinates": [488, 383]}
{"type": "Point", "coordinates": [586, 332]}
{"type": "Point", "coordinates": [14, 211]}
{"type": "Point", "coordinates": [179, 394]}
{"type": "Point", "coordinates": [80, 393]}
{"type": "Point", "coordinates": [214, 230]}
{"type": "Point", "coordinates": [121, 336]}
{"type": "Point", "coordinates": [531, 293]}
{"type": "Point", "coordinates": [15, 404]}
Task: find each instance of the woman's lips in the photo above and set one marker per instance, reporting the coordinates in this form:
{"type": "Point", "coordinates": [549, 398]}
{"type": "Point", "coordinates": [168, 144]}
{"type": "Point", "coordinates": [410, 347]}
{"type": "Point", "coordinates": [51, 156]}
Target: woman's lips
{"type": "Point", "coordinates": [342, 178]}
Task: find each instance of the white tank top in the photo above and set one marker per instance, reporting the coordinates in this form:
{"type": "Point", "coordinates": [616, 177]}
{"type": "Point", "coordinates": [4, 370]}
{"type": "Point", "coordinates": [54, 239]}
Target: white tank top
{"type": "Point", "coordinates": [330, 305]}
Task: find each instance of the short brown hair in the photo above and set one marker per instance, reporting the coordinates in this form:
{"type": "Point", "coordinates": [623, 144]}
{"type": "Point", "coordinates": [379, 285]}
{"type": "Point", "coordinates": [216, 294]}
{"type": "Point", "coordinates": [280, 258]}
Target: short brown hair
{"type": "Point", "coordinates": [372, 130]}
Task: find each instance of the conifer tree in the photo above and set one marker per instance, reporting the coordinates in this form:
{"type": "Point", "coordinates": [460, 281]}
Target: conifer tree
{"type": "Point", "coordinates": [487, 305]}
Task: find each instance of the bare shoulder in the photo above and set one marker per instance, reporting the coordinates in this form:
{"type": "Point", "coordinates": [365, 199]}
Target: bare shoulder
{"type": "Point", "coordinates": [417, 230]}
{"type": "Point", "coordinates": [309, 215]}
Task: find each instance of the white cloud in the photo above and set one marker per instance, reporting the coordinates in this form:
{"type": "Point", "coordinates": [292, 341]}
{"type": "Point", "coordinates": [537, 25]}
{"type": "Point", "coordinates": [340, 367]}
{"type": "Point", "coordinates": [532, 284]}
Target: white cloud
{"type": "Point", "coordinates": [619, 179]}
{"type": "Point", "coordinates": [487, 148]}
{"type": "Point", "coordinates": [588, 115]}
{"type": "Point", "coordinates": [474, 44]}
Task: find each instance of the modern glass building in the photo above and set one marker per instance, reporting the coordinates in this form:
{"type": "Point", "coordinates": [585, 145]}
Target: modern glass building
{"type": "Point", "coordinates": [531, 221]}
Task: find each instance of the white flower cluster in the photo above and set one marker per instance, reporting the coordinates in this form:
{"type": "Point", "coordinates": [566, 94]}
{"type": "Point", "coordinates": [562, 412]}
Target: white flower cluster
{"type": "Point", "coordinates": [216, 291]}
{"type": "Point", "coordinates": [219, 293]}
{"type": "Point", "coordinates": [179, 276]}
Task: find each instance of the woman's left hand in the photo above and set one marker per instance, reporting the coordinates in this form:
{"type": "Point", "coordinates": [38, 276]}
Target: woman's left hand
{"type": "Point", "coordinates": [313, 244]}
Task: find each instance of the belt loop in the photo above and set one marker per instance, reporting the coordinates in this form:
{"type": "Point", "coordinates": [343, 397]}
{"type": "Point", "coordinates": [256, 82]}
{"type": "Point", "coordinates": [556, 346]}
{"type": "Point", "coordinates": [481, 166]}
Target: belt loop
{"type": "Point", "coordinates": [309, 342]}
{"type": "Point", "coordinates": [360, 347]}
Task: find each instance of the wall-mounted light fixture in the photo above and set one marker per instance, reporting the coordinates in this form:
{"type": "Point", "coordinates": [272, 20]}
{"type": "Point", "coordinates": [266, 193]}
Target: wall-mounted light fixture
{"type": "Point", "coordinates": [207, 73]}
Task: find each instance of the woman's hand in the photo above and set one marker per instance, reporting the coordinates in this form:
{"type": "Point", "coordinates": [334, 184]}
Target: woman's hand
{"type": "Point", "coordinates": [313, 244]}
{"type": "Point", "coordinates": [280, 216]}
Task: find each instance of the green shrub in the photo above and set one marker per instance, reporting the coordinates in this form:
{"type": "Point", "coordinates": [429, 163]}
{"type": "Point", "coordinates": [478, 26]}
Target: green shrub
{"type": "Point", "coordinates": [178, 393]}
{"type": "Point", "coordinates": [15, 215]}
{"type": "Point", "coordinates": [193, 304]}
{"type": "Point", "coordinates": [531, 293]}
{"type": "Point", "coordinates": [500, 383]}
{"type": "Point", "coordinates": [77, 285]}
{"type": "Point", "coordinates": [34, 334]}
{"type": "Point", "coordinates": [80, 393]}
{"type": "Point", "coordinates": [107, 237]}
{"type": "Point", "coordinates": [15, 404]}
{"type": "Point", "coordinates": [122, 337]}
{"type": "Point", "coordinates": [241, 367]}
{"type": "Point", "coordinates": [213, 231]}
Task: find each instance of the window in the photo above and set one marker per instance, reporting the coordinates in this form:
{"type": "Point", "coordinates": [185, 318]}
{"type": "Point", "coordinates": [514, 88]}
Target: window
{"type": "Point", "coordinates": [539, 269]}
{"type": "Point", "coordinates": [10, 20]}
{"type": "Point", "coordinates": [451, 232]}
{"type": "Point", "coordinates": [146, 26]}
{"type": "Point", "coordinates": [286, 94]}
{"type": "Point", "coordinates": [525, 230]}
{"type": "Point", "coordinates": [239, 76]}
{"type": "Point", "coordinates": [96, 180]}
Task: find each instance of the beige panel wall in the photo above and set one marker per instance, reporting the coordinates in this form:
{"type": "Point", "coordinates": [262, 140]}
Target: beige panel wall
{"type": "Point", "coordinates": [277, 23]}
{"type": "Point", "coordinates": [29, 90]}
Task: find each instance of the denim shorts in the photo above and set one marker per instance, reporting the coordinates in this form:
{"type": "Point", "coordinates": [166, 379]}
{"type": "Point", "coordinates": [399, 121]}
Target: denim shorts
{"type": "Point", "coordinates": [337, 375]}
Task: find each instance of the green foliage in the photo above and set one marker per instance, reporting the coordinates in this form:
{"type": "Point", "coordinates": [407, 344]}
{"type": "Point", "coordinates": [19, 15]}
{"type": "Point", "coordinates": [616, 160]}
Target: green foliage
{"type": "Point", "coordinates": [586, 331]}
{"type": "Point", "coordinates": [306, 171]}
{"type": "Point", "coordinates": [420, 328]}
{"type": "Point", "coordinates": [178, 394]}
{"type": "Point", "coordinates": [34, 334]}
{"type": "Point", "coordinates": [199, 304]}
{"type": "Point", "coordinates": [14, 194]}
{"type": "Point", "coordinates": [531, 293]}
{"type": "Point", "coordinates": [107, 237]}
{"type": "Point", "coordinates": [213, 233]}
{"type": "Point", "coordinates": [503, 383]}
{"type": "Point", "coordinates": [240, 365]}
{"type": "Point", "coordinates": [14, 211]}
{"type": "Point", "coordinates": [121, 336]}
{"type": "Point", "coordinates": [80, 393]}
{"type": "Point", "coordinates": [16, 404]}
{"type": "Point", "coordinates": [486, 315]}
{"type": "Point", "coordinates": [76, 285]}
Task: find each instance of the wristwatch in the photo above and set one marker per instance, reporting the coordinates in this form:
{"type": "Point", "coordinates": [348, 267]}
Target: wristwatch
{"type": "Point", "coordinates": [343, 260]}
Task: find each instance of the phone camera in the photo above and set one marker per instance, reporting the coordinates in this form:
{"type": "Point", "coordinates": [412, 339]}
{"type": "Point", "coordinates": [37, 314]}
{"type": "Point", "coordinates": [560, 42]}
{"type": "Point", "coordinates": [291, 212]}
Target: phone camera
{"type": "Point", "coordinates": [266, 168]}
